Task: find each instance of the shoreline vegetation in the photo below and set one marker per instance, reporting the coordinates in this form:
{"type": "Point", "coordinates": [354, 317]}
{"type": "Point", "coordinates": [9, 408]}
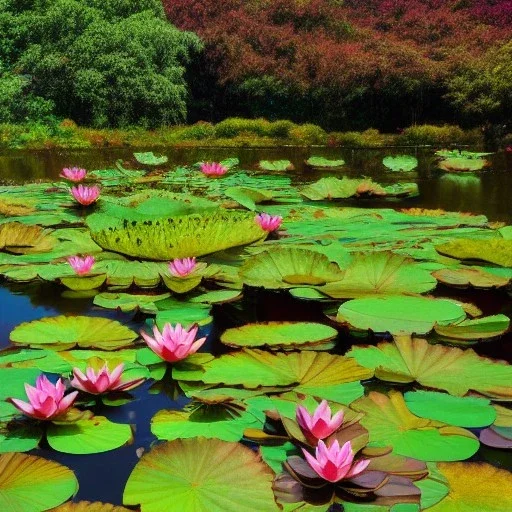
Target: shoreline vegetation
{"type": "Point", "coordinates": [232, 132]}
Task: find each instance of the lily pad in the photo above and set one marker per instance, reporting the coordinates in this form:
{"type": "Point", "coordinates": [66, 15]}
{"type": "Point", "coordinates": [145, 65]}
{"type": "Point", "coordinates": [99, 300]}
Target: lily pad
{"type": "Point", "coordinates": [313, 373]}
{"type": "Point", "coordinates": [217, 297]}
{"type": "Point", "coordinates": [404, 163]}
{"type": "Point", "coordinates": [94, 435]}
{"type": "Point", "coordinates": [127, 302]}
{"type": "Point", "coordinates": [495, 250]}
{"type": "Point", "coordinates": [390, 423]}
{"type": "Point", "coordinates": [380, 273]}
{"type": "Point", "coordinates": [471, 412]}
{"type": "Point", "coordinates": [470, 277]}
{"type": "Point", "coordinates": [249, 197]}
{"type": "Point", "coordinates": [65, 332]}
{"type": "Point", "coordinates": [276, 165]}
{"type": "Point", "coordinates": [87, 506]}
{"type": "Point", "coordinates": [197, 474]}
{"type": "Point", "coordinates": [150, 159]}
{"type": "Point", "coordinates": [280, 335]}
{"type": "Point", "coordinates": [399, 314]}
{"type": "Point", "coordinates": [319, 162]}
{"type": "Point", "coordinates": [462, 164]}
{"type": "Point", "coordinates": [436, 366]}
{"type": "Point", "coordinates": [33, 484]}
{"type": "Point", "coordinates": [288, 268]}
{"type": "Point", "coordinates": [475, 487]}
{"type": "Point", "coordinates": [17, 238]}
{"type": "Point", "coordinates": [475, 329]}
{"type": "Point", "coordinates": [331, 188]}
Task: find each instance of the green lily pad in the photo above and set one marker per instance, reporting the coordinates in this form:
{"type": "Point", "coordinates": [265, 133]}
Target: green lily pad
{"type": "Point", "coordinates": [436, 366]}
{"type": "Point", "coordinates": [331, 188]}
{"type": "Point", "coordinates": [249, 197]}
{"type": "Point", "coordinates": [83, 283]}
{"type": "Point", "coordinates": [380, 273]}
{"type": "Point", "coordinates": [14, 379]}
{"type": "Point", "coordinates": [319, 162]}
{"type": "Point", "coordinates": [467, 411]}
{"type": "Point", "coordinates": [87, 506]}
{"type": "Point", "coordinates": [214, 422]}
{"type": "Point", "coordinates": [312, 373]}
{"type": "Point", "coordinates": [17, 238]}
{"type": "Point", "coordinates": [462, 164]}
{"type": "Point", "coordinates": [33, 484]}
{"type": "Point", "coordinates": [94, 435]}
{"type": "Point", "coordinates": [65, 332]}
{"type": "Point", "coordinates": [399, 314]}
{"type": "Point", "coordinates": [288, 268]}
{"type": "Point", "coordinates": [217, 297]}
{"type": "Point", "coordinates": [495, 250]}
{"type": "Point", "coordinates": [150, 159]}
{"type": "Point", "coordinates": [19, 438]}
{"type": "Point", "coordinates": [197, 474]}
{"type": "Point", "coordinates": [280, 335]}
{"type": "Point", "coordinates": [470, 277]}
{"type": "Point", "coordinates": [475, 329]}
{"type": "Point", "coordinates": [456, 153]}
{"type": "Point", "coordinates": [390, 423]}
{"type": "Point", "coordinates": [276, 165]}
{"type": "Point", "coordinates": [404, 163]}
{"type": "Point", "coordinates": [127, 302]}
{"type": "Point", "coordinates": [183, 313]}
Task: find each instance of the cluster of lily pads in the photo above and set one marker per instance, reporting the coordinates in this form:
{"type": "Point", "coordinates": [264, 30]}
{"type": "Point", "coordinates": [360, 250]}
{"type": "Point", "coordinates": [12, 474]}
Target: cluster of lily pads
{"type": "Point", "coordinates": [278, 419]}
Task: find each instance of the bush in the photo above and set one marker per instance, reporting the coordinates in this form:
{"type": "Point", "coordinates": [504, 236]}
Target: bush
{"type": "Point", "coordinates": [308, 134]}
{"type": "Point", "coordinates": [198, 131]}
{"type": "Point", "coordinates": [281, 129]}
{"type": "Point", "coordinates": [430, 135]}
{"type": "Point", "coordinates": [235, 126]}
{"type": "Point", "coordinates": [369, 138]}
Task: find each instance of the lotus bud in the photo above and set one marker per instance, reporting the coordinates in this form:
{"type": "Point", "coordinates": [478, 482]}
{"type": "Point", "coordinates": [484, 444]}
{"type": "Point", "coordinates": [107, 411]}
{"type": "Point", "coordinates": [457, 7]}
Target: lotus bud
{"type": "Point", "coordinates": [74, 174]}
{"type": "Point", "coordinates": [81, 266]}
{"type": "Point", "coordinates": [182, 267]}
{"type": "Point", "coordinates": [269, 222]}
{"type": "Point", "coordinates": [320, 424]}
{"type": "Point", "coordinates": [213, 169]}
{"type": "Point", "coordinates": [85, 195]}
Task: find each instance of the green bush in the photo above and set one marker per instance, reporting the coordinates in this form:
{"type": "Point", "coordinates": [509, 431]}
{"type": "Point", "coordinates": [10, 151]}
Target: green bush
{"type": "Point", "coordinates": [368, 139]}
{"type": "Point", "coordinates": [430, 135]}
{"type": "Point", "coordinates": [235, 126]}
{"type": "Point", "coordinates": [198, 131]}
{"type": "Point", "coordinates": [308, 134]}
{"type": "Point", "coordinates": [281, 129]}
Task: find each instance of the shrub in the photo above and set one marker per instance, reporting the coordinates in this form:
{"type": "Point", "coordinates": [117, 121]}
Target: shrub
{"type": "Point", "coordinates": [308, 134]}
{"type": "Point", "coordinates": [430, 135]}
{"type": "Point", "coordinates": [198, 131]}
{"type": "Point", "coordinates": [235, 126]}
{"type": "Point", "coordinates": [281, 129]}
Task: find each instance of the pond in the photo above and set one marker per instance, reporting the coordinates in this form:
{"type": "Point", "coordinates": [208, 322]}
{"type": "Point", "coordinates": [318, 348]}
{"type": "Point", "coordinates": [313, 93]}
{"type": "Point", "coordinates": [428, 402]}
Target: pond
{"type": "Point", "coordinates": [391, 310]}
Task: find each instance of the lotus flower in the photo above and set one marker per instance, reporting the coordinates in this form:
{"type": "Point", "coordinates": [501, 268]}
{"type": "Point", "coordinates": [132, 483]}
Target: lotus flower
{"type": "Point", "coordinates": [213, 169]}
{"type": "Point", "coordinates": [46, 401]}
{"type": "Point", "coordinates": [269, 222]}
{"type": "Point", "coordinates": [173, 344]}
{"type": "Point", "coordinates": [182, 267]}
{"type": "Point", "coordinates": [319, 425]}
{"type": "Point", "coordinates": [103, 381]}
{"type": "Point", "coordinates": [81, 266]}
{"type": "Point", "coordinates": [74, 174]}
{"type": "Point", "coordinates": [85, 195]}
{"type": "Point", "coordinates": [334, 463]}
{"type": "Point", "coordinates": [508, 149]}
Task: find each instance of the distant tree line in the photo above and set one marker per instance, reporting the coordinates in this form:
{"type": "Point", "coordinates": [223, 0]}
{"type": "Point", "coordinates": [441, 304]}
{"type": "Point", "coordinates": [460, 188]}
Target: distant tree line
{"type": "Point", "coordinates": [343, 64]}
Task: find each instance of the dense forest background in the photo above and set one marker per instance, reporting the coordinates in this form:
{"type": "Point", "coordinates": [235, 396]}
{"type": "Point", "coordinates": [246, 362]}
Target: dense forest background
{"type": "Point", "coordinates": [343, 64]}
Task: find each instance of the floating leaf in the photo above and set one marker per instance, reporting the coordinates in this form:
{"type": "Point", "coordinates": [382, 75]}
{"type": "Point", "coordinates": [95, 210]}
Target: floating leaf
{"type": "Point", "coordinates": [399, 314]}
{"type": "Point", "coordinates": [217, 297]}
{"type": "Point", "coordinates": [462, 164]}
{"type": "Point", "coordinates": [468, 411]}
{"type": "Point", "coordinates": [150, 159]}
{"type": "Point", "coordinates": [380, 273]}
{"type": "Point", "coordinates": [183, 313]}
{"type": "Point", "coordinates": [288, 268]}
{"type": "Point", "coordinates": [18, 238]}
{"type": "Point", "coordinates": [276, 165]}
{"type": "Point", "coordinates": [94, 435]}
{"type": "Point", "coordinates": [313, 373]}
{"type": "Point", "coordinates": [390, 423]}
{"type": "Point", "coordinates": [19, 437]}
{"type": "Point", "coordinates": [319, 162]}
{"type": "Point", "coordinates": [399, 163]}
{"type": "Point", "coordinates": [476, 329]}
{"type": "Point", "coordinates": [276, 335]}
{"type": "Point", "coordinates": [475, 487]}
{"type": "Point", "coordinates": [495, 250]}
{"type": "Point", "coordinates": [65, 332]}
{"type": "Point", "coordinates": [127, 302]}
{"type": "Point", "coordinates": [331, 188]}
{"type": "Point", "coordinates": [33, 484]}
{"type": "Point", "coordinates": [87, 506]}
{"type": "Point", "coordinates": [14, 379]}
{"type": "Point", "coordinates": [470, 277]}
{"type": "Point", "coordinates": [199, 474]}
{"type": "Point", "coordinates": [249, 197]}
{"type": "Point", "coordinates": [436, 366]}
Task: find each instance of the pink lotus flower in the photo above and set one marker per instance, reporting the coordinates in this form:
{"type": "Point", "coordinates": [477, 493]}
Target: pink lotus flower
{"type": "Point", "coordinates": [74, 174]}
{"type": "Point", "coordinates": [46, 401]}
{"type": "Point", "coordinates": [508, 149]}
{"type": "Point", "coordinates": [85, 195]}
{"type": "Point", "coordinates": [269, 222]}
{"type": "Point", "coordinates": [319, 425]}
{"type": "Point", "coordinates": [81, 266]}
{"type": "Point", "coordinates": [213, 169]}
{"type": "Point", "coordinates": [182, 267]}
{"type": "Point", "coordinates": [102, 381]}
{"type": "Point", "coordinates": [173, 344]}
{"type": "Point", "coordinates": [334, 463]}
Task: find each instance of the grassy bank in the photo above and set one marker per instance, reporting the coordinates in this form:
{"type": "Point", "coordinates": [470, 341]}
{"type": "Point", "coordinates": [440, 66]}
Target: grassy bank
{"type": "Point", "coordinates": [233, 132]}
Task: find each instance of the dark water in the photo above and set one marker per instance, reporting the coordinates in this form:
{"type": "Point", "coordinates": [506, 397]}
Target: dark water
{"type": "Point", "coordinates": [487, 193]}
{"type": "Point", "coordinates": [102, 477]}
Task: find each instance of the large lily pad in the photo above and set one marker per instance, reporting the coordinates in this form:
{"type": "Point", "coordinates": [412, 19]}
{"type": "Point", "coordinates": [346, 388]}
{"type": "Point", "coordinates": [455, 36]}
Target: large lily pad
{"type": "Point", "coordinates": [276, 165]}
{"type": "Point", "coordinates": [399, 314]}
{"type": "Point", "coordinates": [201, 475]}
{"type": "Point", "coordinates": [150, 159]}
{"type": "Point", "coordinates": [249, 197]}
{"type": "Point", "coordinates": [399, 163]}
{"type": "Point", "coordinates": [380, 273]}
{"type": "Point", "coordinates": [475, 487]}
{"type": "Point", "coordinates": [287, 335]}
{"type": "Point", "coordinates": [33, 484]}
{"type": "Point", "coordinates": [127, 302]}
{"type": "Point", "coordinates": [436, 366]}
{"type": "Point", "coordinates": [65, 332]}
{"type": "Point", "coordinates": [390, 423]}
{"type": "Point", "coordinates": [470, 277]}
{"type": "Point", "coordinates": [18, 238]}
{"type": "Point", "coordinates": [87, 506]}
{"type": "Point", "coordinates": [471, 331]}
{"type": "Point", "coordinates": [331, 188]}
{"type": "Point", "coordinates": [319, 162]}
{"type": "Point", "coordinates": [289, 268]}
{"type": "Point", "coordinates": [313, 373]}
{"type": "Point", "coordinates": [165, 238]}
{"type": "Point", "coordinates": [495, 250]}
{"type": "Point", "coordinates": [463, 164]}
